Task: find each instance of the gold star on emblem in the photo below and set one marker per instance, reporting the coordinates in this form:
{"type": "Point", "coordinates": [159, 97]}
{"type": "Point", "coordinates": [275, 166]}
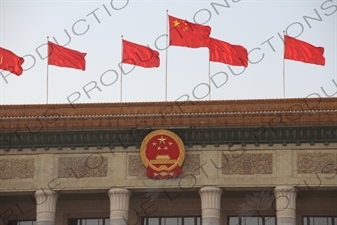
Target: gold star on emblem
{"type": "Point", "coordinates": [159, 148]}
{"type": "Point", "coordinates": [166, 148]}
{"type": "Point", "coordinates": [176, 23]}
{"type": "Point", "coordinates": [170, 143]}
{"type": "Point", "coordinates": [161, 140]}
{"type": "Point", "coordinates": [154, 143]}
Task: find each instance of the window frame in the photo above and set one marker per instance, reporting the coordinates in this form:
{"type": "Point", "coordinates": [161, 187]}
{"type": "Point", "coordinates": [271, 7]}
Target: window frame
{"type": "Point", "coordinates": [143, 218]}
{"type": "Point", "coordinates": [89, 218]}
{"type": "Point", "coordinates": [261, 216]}
{"type": "Point", "coordinates": [11, 222]}
{"type": "Point", "coordinates": [333, 218]}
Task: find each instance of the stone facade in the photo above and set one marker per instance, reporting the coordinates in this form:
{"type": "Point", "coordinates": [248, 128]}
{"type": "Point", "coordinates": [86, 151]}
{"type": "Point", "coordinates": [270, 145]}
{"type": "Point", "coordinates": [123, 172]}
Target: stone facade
{"type": "Point", "coordinates": [16, 168]}
{"type": "Point", "coordinates": [247, 163]}
{"type": "Point", "coordinates": [264, 166]}
{"type": "Point", "coordinates": [310, 163]}
{"type": "Point", "coordinates": [274, 158]}
{"type": "Point", "coordinates": [92, 166]}
{"type": "Point", "coordinates": [96, 205]}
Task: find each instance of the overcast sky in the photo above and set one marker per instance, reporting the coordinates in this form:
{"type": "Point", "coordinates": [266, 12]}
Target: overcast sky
{"type": "Point", "coordinates": [95, 27]}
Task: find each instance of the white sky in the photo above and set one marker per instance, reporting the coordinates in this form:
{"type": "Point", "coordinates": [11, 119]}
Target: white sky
{"type": "Point", "coordinates": [25, 25]}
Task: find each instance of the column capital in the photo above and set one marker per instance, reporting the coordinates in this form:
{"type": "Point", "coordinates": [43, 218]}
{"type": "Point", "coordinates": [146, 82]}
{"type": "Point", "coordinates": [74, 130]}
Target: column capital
{"type": "Point", "coordinates": [210, 204]}
{"type": "Point", "coordinates": [285, 197]}
{"type": "Point", "coordinates": [119, 205]}
{"type": "Point", "coordinates": [45, 206]}
{"type": "Point", "coordinates": [284, 189]}
{"type": "Point", "coordinates": [119, 191]}
{"type": "Point", "coordinates": [210, 189]}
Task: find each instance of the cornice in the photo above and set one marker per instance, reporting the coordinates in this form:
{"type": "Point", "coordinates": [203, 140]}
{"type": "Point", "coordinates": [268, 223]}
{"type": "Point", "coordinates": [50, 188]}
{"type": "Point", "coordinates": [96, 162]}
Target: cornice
{"type": "Point", "coordinates": [190, 136]}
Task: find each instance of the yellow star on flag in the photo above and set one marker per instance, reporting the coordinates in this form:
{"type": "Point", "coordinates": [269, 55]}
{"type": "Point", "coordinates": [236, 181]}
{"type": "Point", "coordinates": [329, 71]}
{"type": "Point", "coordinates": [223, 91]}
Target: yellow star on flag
{"type": "Point", "coordinates": [186, 34]}
{"type": "Point", "coordinates": [186, 28]}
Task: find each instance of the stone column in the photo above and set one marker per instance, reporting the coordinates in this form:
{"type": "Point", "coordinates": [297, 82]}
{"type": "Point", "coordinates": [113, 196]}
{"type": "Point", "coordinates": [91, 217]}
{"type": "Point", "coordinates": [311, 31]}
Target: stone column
{"type": "Point", "coordinates": [45, 207]}
{"type": "Point", "coordinates": [210, 205]}
{"type": "Point", "coordinates": [285, 197]}
{"type": "Point", "coordinates": [119, 205]}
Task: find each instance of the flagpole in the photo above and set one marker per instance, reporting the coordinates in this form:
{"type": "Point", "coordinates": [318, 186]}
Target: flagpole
{"type": "Point", "coordinates": [284, 77]}
{"type": "Point", "coordinates": [209, 74]}
{"type": "Point", "coordinates": [167, 38]}
{"type": "Point", "coordinates": [47, 65]}
{"type": "Point", "coordinates": [121, 92]}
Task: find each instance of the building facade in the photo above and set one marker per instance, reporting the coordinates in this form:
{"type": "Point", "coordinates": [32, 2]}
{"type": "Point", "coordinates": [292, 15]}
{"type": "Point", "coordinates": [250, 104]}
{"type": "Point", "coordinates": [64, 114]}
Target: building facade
{"type": "Point", "coordinates": [256, 162]}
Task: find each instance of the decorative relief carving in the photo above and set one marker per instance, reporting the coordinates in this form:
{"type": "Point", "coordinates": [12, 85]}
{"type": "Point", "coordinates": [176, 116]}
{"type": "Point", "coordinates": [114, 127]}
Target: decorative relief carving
{"type": "Point", "coordinates": [78, 167]}
{"type": "Point", "coordinates": [310, 163]}
{"type": "Point", "coordinates": [247, 163]}
{"type": "Point", "coordinates": [191, 165]}
{"type": "Point", "coordinates": [16, 168]}
{"type": "Point", "coordinates": [136, 166]}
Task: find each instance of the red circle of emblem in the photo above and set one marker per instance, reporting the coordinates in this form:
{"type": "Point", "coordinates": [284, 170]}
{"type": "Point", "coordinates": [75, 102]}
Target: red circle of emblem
{"type": "Point", "coordinates": [162, 153]}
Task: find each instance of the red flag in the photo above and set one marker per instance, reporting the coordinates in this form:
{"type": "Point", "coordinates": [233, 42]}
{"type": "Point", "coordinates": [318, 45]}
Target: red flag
{"type": "Point", "coordinates": [65, 57]}
{"type": "Point", "coordinates": [302, 51]}
{"type": "Point", "coordinates": [140, 55]}
{"type": "Point", "coordinates": [224, 52]}
{"type": "Point", "coordinates": [186, 34]}
{"type": "Point", "coordinates": [10, 62]}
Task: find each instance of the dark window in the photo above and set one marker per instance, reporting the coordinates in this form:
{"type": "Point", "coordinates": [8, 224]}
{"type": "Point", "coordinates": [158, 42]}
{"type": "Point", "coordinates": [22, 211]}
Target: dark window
{"type": "Point", "coordinates": [319, 220]}
{"type": "Point", "coordinates": [172, 220]}
{"type": "Point", "coordinates": [95, 221]}
{"type": "Point", "coordinates": [254, 220]}
{"type": "Point", "coordinates": [22, 222]}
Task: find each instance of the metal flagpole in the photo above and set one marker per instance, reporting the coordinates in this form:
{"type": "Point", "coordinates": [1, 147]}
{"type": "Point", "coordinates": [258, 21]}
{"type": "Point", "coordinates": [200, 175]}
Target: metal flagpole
{"type": "Point", "coordinates": [284, 77]}
{"type": "Point", "coordinates": [47, 65]}
{"type": "Point", "coordinates": [121, 68]}
{"type": "Point", "coordinates": [209, 73]}
{"type": "Point", "coordinates": [167, 40]}
{"type": "Point", "coordinates": [1, 59]}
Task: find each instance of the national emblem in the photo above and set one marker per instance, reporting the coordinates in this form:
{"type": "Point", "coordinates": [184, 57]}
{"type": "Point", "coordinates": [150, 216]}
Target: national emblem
{"type": "Point", "coordinates": [162, 153]}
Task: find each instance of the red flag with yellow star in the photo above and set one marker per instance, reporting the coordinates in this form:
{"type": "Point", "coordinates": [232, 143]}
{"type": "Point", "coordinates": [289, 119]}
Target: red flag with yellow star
{"type": "Point", "coordinates": [186, 34]}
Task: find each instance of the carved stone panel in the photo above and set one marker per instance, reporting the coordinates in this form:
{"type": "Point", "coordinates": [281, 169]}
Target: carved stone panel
{"type": "Point", "coordinates": [82, 167]}
{"type": "Point", "coordinates": [309, 163]}
{"type": "Point", "coordinates": [247, 163]}
{"type": "Point", "coordinates": [16, 168]}
{"type": "Point", "coordinates": [190, 166]}
{"type": "Point", "coordinates": [136, 166]}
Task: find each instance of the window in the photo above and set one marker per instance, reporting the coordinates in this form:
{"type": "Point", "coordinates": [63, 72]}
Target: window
{"type": "Point", "coordinates": [180, 220]}
{"type": "Point", "coordinates": [263, 220]}
{"type": "Point", "coordinates": [102, 221]}
{"type": "Point", "coordinates": [27, 222]}
{"type": "Point", "coordinates": [320, 220]}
